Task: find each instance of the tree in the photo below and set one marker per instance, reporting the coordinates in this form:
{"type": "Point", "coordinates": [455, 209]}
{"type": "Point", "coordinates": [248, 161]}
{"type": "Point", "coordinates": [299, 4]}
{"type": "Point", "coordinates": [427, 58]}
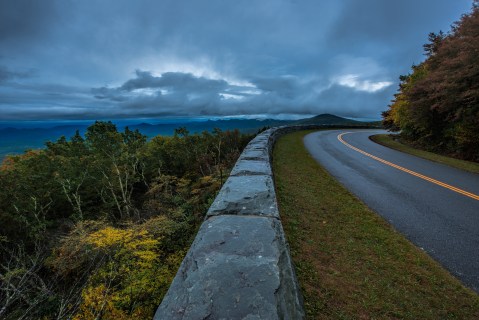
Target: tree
{"type": "Point", "coordinates": [437, 105]}
{"type": "Point", "coordinates": [112, 211]}
{"type": "Point", "coordinates": [21, 281]}
{"type": "Point", "coordinates": [117, 162]}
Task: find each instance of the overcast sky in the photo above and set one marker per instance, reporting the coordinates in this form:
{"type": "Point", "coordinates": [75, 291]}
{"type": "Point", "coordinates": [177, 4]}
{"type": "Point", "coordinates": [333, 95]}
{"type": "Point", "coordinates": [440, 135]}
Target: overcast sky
{"type": "Point", "coordinates": [111, 59]}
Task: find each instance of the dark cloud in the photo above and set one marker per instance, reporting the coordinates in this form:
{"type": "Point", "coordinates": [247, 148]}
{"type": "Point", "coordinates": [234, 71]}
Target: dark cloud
{"type": "Point", "coordinates": [8, 75]}
{"type": "Point", "coordinates": [109, 94]}
{"type": "Point", "coordinates": [5, 74]}
{"type": "Point", "coordinates": [169, 93]}
{"type": "Point", "coordinates": [173, 80]}
{"type": "Point", "coordinates": [144, 79]}
{"type": "Point", "coordinates": [185, 94]}
{"type": "Point", "coordinates": [285, 86]}
{"type": "Point", "coordinates": [22, 20]}
{"type": "Point", "coordinates": [210, 57]}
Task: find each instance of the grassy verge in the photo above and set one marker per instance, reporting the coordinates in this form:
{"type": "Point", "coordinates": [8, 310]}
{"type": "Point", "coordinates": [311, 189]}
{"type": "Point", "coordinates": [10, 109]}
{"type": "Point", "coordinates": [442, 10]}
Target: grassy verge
{"type": "Point", "coordinates": [387, 141]}
{"type": "Point", "coordinates": [350, 263]}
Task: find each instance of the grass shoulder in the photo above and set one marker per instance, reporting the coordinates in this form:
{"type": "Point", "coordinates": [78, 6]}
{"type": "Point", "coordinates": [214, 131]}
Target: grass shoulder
{"type": "Point", "coordinates": [350, 263]}
{"type": "Point", "coordinates": [388, 141]}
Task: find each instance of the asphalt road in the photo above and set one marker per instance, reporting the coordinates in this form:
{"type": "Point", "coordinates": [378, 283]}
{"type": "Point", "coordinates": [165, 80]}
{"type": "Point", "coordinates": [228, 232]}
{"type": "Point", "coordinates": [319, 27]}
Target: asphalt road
{"type": "Point", "coordinates": [441, 221]}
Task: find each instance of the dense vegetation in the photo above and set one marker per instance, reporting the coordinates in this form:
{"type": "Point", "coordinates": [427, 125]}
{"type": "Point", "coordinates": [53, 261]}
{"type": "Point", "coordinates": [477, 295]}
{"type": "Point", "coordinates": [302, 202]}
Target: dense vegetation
{"type": "Point", "coordinates": [437, 106]}
{"type": "Point", "coordinates": [96, 227]}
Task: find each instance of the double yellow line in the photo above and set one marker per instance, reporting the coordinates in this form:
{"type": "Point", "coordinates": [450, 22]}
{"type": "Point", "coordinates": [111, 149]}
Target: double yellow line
{"type": "Point", "coordinates": [439, 183]}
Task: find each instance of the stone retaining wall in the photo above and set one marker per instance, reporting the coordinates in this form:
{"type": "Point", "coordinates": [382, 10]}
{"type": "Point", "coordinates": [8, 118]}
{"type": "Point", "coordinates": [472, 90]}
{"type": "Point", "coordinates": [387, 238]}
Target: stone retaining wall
{"type": "Point", "coordinates": [239, 266]}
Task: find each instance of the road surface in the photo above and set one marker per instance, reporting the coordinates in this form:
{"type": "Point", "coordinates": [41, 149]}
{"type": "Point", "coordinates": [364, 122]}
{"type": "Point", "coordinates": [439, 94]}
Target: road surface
{"type": "Point", "coordinates": [433, 205]}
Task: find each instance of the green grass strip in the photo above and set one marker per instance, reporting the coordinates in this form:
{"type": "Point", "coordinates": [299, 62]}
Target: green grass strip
{"type": "Point", "coordinates": [388, 141]}
{"type": "Point", "coordinates": [350, 263]}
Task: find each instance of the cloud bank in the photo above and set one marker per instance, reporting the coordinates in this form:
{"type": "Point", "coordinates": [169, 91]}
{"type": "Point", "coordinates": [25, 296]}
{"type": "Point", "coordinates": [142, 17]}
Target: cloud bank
{"type": "Point", "coordinates": [77, 60]}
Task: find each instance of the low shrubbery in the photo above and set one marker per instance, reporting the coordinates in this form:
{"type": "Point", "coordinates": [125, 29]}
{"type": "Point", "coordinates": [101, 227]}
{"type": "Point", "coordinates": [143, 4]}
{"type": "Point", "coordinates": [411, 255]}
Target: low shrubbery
{"type": "Point", "coordinates": [96, 227]}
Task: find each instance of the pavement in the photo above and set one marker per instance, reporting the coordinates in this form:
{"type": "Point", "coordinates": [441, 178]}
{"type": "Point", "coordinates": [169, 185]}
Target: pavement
{"type": "Point", "coordinates": [435, 206]}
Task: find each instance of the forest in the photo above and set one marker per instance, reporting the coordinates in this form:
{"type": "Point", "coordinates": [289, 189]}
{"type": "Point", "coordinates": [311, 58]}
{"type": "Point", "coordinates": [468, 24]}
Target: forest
{"type": "Point", "coordinates": [437, 105]}
{"type": "Point", "coordinates": [96, 226]}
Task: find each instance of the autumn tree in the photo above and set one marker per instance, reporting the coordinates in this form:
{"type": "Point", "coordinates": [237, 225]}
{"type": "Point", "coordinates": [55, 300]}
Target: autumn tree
{"type": "Point", "coordinates": [437, 105]}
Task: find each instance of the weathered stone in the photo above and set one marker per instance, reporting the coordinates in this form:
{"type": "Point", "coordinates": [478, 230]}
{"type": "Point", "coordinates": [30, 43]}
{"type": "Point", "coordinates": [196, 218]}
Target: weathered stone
{"type": "Point", "coordinates": [255, 154]}
{"type": "Point", "coordinates": [251, 167]}
{"type": "Point", "coordinates": [246, 195]}
{"type": "Point", "coordinates": [237, 268]}
{"type": "Point", "coordinates": [258, 145]}
{"type": "Point", "coordinates": [262, 138]}
{"type": "Point", "coordinates": [239, 265]}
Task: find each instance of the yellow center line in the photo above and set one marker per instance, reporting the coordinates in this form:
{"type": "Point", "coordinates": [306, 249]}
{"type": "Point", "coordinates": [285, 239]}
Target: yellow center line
{"type": "Point", "coordinates": [439, 183]}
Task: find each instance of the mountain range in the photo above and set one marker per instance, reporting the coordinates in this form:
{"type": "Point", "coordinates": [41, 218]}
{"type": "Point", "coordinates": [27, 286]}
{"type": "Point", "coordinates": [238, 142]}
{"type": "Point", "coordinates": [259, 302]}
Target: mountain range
{"type": "Point", "coordinates": [17, 140]}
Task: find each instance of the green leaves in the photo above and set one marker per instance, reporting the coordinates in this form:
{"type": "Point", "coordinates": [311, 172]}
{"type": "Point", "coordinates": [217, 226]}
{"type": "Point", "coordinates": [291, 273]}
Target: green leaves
{"type": "Point", "coordinates": [113, 211]}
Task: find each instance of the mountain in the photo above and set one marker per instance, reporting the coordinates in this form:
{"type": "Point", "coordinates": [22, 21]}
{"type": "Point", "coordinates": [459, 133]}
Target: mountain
{"type": "Point", "coordinates": [244, 125]}
{"type": "Point", "coordinates": [329, 119]}
{"type": "Point", "coordinates": [17, 140]}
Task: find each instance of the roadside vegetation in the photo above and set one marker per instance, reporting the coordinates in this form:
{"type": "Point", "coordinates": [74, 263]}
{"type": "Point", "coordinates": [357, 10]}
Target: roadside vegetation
{"type": "Point", "coordinates": [351, 264]}
{"type": "Point", "coordinates": [436, 107]}
{"type": "Point", "coordinates": [394, 142]}
{"type": "Point", "coordinates": [96, 227]}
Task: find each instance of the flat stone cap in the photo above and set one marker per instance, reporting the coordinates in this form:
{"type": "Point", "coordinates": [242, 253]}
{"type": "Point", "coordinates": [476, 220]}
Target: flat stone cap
{"type": "Point", "coordinates": [246, 195]}
{"type": "Point", "coordinates": [239, 265]}
{"type": "Point", "coordinates": [237, 268]}
{"type": "Point", "coordinates": [251, 167]}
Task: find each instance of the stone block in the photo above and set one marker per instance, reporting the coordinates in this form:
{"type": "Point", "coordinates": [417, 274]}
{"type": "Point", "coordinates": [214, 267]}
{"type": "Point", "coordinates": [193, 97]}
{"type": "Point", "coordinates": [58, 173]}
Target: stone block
{"type": "Point", "coordinates": [246, 195]}
{"type": "Point", "coordinates": [255, 154]}
{"type": "Point", "coordinates": [237, 268]}
{"type": "Point", "coordinates": [251, 167]}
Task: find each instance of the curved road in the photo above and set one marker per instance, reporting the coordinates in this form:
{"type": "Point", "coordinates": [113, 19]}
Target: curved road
{"type": "Point", "coordinates": [434, 206]}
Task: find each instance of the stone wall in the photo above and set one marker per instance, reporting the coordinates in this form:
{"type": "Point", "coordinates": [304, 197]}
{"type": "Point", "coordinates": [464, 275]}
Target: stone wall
{"type": "Point", "coordinates": [239, 266]}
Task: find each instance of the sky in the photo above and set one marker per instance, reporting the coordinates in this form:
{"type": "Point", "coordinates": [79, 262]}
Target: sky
{"type": "Point", "coordinates": [113, 59]}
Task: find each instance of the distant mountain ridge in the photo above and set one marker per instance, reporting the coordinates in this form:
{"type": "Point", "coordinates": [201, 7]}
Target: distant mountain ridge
{"type": "Point", "coordinates": [17, 140]}
{"type": "Point", "coordinates": [328, 119]}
